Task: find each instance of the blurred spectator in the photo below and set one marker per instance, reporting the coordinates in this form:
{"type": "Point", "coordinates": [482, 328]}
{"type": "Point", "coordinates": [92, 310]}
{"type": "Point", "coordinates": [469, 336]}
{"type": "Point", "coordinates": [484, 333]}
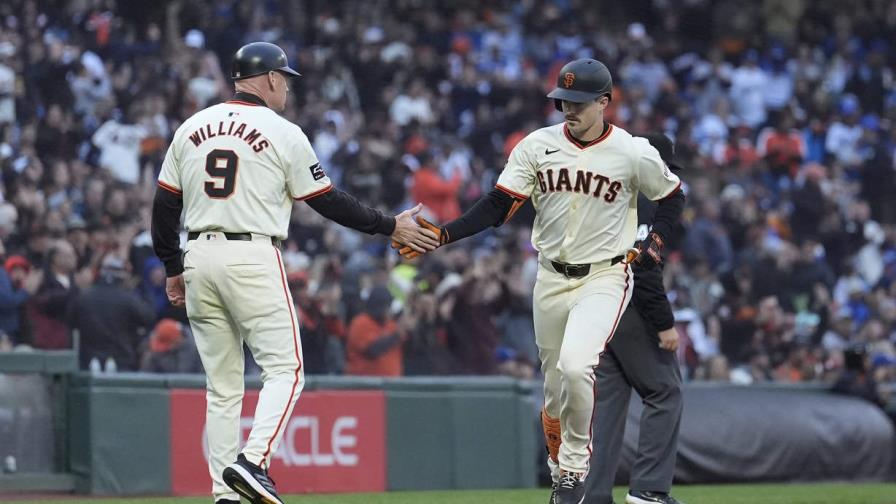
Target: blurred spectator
{"type": "Point", "coordinates": [17, 284]}
{"type": "Point", "coordinates": [782, 147]}
{"type": "Point", "coordinates": [472, 308]}
{"type": "Point", "coordinates": [857, 378]}
{"type": "Point", "coordinates": [413, 106]}
{"type": "Point", "coordinates": [425, 352]}
{"type": "Point", "coordinates": [707, 239]}
{"type": "Point", "coordinates": [49, 308]}
{"type": "Point", "coordinates": [323, 332]}
{"type": "Point", "coordinates": [374, 341]}
{"type": "Point", "coordinates": [119, 145]}
{"type": "Point", "coordinates": [170, 349]}
{"type": "Point", "coordinates": [748, 89]}
{"type": "Point", "coordinates": [843, 137]}
{"type": "Point", "coordinates": [438, 195]}
{"type": "Point", "coordinates": [7, 84]}
{"type": "Point", "coordinates": [111, 319]}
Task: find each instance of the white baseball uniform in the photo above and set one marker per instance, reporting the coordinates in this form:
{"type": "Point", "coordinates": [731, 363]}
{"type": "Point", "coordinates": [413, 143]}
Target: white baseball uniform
{"type": "Point", "coordinates": [585, 199]}
{"type": "Point", "coordinates": [239, 167]}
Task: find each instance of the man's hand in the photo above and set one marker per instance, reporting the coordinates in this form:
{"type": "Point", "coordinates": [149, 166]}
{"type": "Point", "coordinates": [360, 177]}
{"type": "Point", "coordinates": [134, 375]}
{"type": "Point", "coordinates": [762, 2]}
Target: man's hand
{"type": "Point", "coordinates": [415, 236]}
{"type": "Point", "coordinates": [174, 288]}
{"type": "Point", "coordinates": [651, 251]}
{"type": "Point", "coordinates": [669, 339]}
{"type": "Point", "coordinates": [407, 252]}
{"type": "Point", "coordinates": [407, 232]}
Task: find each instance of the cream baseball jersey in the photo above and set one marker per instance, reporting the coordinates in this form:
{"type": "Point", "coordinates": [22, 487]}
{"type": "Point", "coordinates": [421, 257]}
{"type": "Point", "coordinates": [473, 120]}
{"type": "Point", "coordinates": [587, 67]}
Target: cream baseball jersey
{"type": "Point", "coordinates": [238, 167]}
{"type": "Point", "coordinates": [585, 197]}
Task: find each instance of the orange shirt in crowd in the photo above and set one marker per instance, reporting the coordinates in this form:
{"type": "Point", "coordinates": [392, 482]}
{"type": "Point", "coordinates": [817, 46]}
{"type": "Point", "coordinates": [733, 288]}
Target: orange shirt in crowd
{"type": "Point", "coordinates": [437, 194]}
{"type": "Point", "coordinates": [363, 332]}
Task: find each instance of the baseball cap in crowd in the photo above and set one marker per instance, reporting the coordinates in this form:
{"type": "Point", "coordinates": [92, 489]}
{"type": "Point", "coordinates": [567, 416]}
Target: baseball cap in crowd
{"type": "Point", "coordinates": [167, 335]}
{"type": "Point", "coordinates": [16, 261]}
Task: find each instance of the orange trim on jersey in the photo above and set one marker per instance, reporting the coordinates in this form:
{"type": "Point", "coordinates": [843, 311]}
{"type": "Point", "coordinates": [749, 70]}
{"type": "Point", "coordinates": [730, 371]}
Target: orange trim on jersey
{"type": "Point", "coordinates": [619, 311]}
{"type": "Point", "coordinates": [517, 204]}
{"type": "Point", "coordinates": [596, 141]}
{"type": "Point", "coordinates": [606, 343]}
{"type": "Point", "coordinates": [674, 191]}
{"type": "Point", "coordinates": [295, 344]}
{"type": "Point", "coordinates": [241, 102]}
{"type": "Point", "coordinates": [512, 193]}
{"type": "Point", "coordinates": [315, 193]}
{"type": "Point", "coordinates": [170, 188]}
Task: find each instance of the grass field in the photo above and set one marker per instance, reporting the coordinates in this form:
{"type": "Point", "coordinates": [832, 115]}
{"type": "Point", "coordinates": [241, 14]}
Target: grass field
{"type": "Point", "coordinates": [871, 493]}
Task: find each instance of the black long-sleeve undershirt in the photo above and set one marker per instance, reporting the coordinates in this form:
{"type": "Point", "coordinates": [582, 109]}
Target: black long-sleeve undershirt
{"type": "Point", "coordinates": [166, 209]}
{"type": "Point", "coordinates": [345, 209]}
{"type": "Point", "coordinates": [668, 212]}
{"type": "Point", "coordinates": [490, 210]}
{"type": "Point", "coordinates": [649, 295]}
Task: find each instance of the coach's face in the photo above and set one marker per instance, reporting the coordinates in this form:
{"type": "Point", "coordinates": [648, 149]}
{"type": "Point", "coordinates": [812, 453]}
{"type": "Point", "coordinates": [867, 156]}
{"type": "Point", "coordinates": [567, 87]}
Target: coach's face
{"type": "Point", "coordinates": [279, 88]}
{"type": "Point", "coordinates": [581, 118]}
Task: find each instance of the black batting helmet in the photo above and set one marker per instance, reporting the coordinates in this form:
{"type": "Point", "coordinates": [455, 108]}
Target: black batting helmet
{"type": "Point", "coordinates": [258, 58]}
{"type": "Point", "coordinates": [581, 81]}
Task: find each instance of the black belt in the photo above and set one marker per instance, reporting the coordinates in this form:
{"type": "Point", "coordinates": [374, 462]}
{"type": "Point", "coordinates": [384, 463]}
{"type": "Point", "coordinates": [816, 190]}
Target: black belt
{"type": "Point", "coordinates": [579, 270]}
{"type": "Point", "coordinates": [193, 235]}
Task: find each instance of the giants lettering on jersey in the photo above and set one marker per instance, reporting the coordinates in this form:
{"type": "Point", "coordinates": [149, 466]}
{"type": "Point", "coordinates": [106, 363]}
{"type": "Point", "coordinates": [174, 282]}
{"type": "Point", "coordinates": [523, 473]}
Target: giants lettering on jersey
{"type": "Point", "coordinates": [551, 180]}
{"type": "Point", "coordinates": [252, 138]}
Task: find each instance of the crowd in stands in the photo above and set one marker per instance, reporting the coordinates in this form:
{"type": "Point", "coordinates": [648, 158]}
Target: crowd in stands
{"type": "Point", "coordinates": [782, 111]}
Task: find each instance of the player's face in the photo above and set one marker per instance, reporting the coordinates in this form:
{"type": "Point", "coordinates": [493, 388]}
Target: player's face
{"type": "Point", "coordinates": [582, 117]}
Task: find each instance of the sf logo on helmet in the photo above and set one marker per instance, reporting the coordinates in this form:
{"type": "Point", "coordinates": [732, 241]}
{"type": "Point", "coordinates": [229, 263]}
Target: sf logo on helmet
{"type": "Point", "coordinates": [568, 79]}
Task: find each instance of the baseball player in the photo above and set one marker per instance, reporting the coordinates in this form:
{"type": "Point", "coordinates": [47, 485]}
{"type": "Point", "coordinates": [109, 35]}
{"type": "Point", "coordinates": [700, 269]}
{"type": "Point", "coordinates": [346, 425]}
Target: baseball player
{"type": "Point", "coordinates": [235, 169]}
{"type": "Point", "coordinates": [583, 176]}
{"type": "Point", "coordinates": [642, 355]}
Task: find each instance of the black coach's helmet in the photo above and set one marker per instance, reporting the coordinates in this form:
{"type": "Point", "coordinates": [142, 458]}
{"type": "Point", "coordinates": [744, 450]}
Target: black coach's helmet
{"type": "Point", "coordinates": [258, 58]}
{"type": "Point", "coordinates": [581, 81]}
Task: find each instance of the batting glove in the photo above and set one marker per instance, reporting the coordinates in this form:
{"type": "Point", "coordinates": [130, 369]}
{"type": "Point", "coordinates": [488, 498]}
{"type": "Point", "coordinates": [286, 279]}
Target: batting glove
{"type": "Point", "coordinates": [408, 252]}
{"type": "Point", "coordinates": [651, 249]}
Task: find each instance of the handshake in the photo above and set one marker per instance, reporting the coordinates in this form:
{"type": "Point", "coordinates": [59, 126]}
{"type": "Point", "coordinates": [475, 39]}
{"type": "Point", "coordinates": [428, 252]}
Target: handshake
{"type": "Point", "coordinates": [414, 235]}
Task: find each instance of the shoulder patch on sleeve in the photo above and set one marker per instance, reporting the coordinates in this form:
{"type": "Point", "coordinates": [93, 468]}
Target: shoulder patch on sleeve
{"type": "Point", "coordinates": [317, 172]}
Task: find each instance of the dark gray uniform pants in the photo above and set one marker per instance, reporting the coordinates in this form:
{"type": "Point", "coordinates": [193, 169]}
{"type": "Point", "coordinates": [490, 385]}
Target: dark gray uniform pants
{"type": "Point", "coordinates": [634, 359]}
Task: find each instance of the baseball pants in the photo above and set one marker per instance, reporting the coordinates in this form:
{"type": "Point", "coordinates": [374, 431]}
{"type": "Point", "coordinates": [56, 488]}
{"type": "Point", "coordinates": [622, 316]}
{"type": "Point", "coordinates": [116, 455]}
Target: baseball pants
{"type": "Point", "coordinates": [236, 291]}
{"type": "Point", "coordinates": [574, 318]}
{"type": "Point", "coordinates": [634, 359]}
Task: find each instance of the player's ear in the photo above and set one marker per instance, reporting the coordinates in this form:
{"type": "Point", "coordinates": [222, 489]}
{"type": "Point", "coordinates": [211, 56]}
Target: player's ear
{"type": "Point", "coordinates": [271, 79]}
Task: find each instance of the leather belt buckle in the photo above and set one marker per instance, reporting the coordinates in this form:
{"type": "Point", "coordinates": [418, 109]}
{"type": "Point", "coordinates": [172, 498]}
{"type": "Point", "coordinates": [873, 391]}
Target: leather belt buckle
{"type": "Point", "coordinates": [571, 270]}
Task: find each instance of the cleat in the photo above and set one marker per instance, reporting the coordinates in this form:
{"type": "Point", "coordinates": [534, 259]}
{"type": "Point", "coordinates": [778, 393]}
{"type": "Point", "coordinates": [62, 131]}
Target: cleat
{"type": "Point", "coordinates": [251, 482]}
{"type": "Point", "coordinates": [570, 489]}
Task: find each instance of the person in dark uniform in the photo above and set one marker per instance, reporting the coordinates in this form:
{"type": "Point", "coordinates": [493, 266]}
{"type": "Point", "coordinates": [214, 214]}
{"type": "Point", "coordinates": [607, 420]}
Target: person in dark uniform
{"type": "Point", "coordinates": [641, 355]}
